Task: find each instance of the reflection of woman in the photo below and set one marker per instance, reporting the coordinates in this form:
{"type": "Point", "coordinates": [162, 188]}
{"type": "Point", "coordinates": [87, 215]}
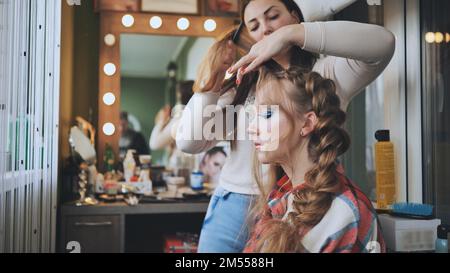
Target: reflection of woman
{"type": "Point", "coordinates": [222, 5]}
{"type": "Point", "coordinates": [315, 207]}
{"type": "Point", "coordinates": [130, 139]}
{"type": "Point", "coordinates": [356, 55]}
{"type": "Point", "coordinates": [212, 164]}
{"type": "Point", "coordinates": [162, 136]}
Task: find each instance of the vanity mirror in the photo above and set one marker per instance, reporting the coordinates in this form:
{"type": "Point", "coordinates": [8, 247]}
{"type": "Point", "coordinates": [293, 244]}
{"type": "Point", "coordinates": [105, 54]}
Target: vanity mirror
{"type": "Point", "coordinates": [135, 52]}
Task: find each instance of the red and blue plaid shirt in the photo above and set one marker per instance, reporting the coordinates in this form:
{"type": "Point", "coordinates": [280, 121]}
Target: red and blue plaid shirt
{"type": "Point", "coordinates": [350, 225]}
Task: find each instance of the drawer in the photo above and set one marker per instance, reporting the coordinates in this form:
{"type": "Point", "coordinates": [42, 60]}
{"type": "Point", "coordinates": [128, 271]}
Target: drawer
{"type": "Point", "coordinates": [95, 234]}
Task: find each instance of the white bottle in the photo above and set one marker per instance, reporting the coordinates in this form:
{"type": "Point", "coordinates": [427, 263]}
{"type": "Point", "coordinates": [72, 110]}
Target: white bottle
{"type": "Point", "coordinates": [129, 165]}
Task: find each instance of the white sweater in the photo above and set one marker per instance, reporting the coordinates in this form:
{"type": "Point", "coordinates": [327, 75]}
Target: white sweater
{"type": "Point", "coordinates": [356, 55]}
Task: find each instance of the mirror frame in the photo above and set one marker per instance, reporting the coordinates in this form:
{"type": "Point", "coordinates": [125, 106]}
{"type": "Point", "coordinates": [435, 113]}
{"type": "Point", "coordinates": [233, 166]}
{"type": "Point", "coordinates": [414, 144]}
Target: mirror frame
{"type": "Point", "coordinates": [111, 23]}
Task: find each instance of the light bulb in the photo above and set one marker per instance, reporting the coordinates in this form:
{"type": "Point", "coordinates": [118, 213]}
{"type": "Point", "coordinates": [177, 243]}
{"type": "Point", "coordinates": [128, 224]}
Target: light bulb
{"type": "Point", "coordinates": [439, 37]}
{"type": "Point", "coordinates": [210, 25]}
{"type": "Point", "coordinates": [430, 37]}
{"type": "Point", "coordinates": [127, 20]}
{"type": "Point", "coordinates": [109, 129]}
{"type": "Point", "coordinates": [156, 22]}
{"type": "Point", "coordinates": [110, 39]}
{"type": "Point", "coordinates": [109, 99]}
{"type": "Point", "coordinates": [183, 24]}
{"type": "Point", "coordinates": [109, 69]}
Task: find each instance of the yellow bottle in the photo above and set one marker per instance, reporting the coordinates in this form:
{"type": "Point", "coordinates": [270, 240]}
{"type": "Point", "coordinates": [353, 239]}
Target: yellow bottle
{"type": "Point", "coordinates": [385, 170]}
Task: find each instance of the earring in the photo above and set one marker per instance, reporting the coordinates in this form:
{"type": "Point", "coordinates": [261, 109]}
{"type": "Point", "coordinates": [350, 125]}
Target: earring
{"type": "Point", "coordinates": [302, 134]}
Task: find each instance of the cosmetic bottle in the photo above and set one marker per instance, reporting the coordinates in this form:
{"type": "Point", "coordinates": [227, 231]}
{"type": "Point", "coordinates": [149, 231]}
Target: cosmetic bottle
{"type": "Point", "coordinates": [384, 170]}
{"type": "Point", "coordinates": [441, 245]}
{"type": "Point", "coordinates": [129, 165]}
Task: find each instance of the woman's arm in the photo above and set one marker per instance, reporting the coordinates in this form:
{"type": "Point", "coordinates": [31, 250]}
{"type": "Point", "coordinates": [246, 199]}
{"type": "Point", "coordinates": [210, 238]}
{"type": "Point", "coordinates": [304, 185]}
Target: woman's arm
{"type": "Point", "coordinates": [320, 10]}
{"type": "Point", "coordinates": [356, 53]}
{"type": "Point", "coordinates": [161, 136]}
{"type": "Point", "coordinates": [203, 111]}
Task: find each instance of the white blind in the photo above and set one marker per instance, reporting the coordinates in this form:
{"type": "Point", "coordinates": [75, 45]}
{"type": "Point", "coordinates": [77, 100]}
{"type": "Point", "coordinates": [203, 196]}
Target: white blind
{"type": "Point", "coordinates": [29, 107]}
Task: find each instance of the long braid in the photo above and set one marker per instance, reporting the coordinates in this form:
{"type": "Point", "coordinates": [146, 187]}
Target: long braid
{"type": "Point", "coordinates": [326, 143]}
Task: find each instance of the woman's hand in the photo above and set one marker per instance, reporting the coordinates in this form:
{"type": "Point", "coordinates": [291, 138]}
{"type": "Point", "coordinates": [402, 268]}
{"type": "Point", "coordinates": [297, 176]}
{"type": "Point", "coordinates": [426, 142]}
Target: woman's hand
{"type": "Point", "coordinates": [163, 116]}
{"type": "Point", "coordinates": [276, 43]}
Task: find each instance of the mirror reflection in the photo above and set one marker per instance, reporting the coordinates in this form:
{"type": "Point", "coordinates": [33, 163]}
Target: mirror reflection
{"type": "Point", "coordinates": [157, 73]}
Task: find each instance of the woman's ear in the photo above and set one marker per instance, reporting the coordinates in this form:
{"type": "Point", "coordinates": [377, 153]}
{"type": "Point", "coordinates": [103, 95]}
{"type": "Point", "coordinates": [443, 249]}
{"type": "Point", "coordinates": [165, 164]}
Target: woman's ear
{"type": "Point", "coordinates": [296, 17]}
{"type": "Point", "coordinates": [310, 123]}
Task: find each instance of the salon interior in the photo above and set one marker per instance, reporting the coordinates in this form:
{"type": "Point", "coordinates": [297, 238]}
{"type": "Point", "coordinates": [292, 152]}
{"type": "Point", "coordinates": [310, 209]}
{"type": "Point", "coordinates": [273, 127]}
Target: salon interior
{"type": "Point", "coordinates": [87, 87]}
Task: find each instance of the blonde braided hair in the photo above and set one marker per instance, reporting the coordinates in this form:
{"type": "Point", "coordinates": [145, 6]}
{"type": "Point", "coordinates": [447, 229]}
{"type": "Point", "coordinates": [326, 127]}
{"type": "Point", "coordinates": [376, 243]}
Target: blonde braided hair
{"type": "Point", "coordinates": [301, 92]}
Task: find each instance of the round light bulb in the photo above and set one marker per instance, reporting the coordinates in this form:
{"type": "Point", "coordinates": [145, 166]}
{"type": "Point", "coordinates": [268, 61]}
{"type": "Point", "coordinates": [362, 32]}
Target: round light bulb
{"type": "Point", "coordinates": [128, 20]}
{"type": "Point", "coordinates": [430, 37]}
{"type": "Point", "coordinates": [210, 25]}
{"type": "Point", "coordinates": [447, 37]}
{"type": "Point", "coordinates": [155, 22]}
{"type": "Point", "coordinates": [439, 37]}
{"type": "Point", "coordinates": [109, 99]}
{"type": "Point", "coordinates": [110, 39]}
{"type": "Point", "coordinates": [183, 24]}
{"type": "Point", "coordinates": [109, 129]}
{"type": "Point", "coordinates": [109, 69]}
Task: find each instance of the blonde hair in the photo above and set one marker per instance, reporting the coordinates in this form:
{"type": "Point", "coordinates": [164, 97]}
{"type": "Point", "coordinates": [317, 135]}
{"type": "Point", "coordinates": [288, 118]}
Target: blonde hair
{"type": "Point", "coordinates": [212, 60]}
{"type": "Point", "coordinates": [300, 92]}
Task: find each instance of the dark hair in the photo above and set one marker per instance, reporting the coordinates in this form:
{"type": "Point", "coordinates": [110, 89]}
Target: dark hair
{"type": "Point", "coordinates": [211, 152]}
{"type": "Point", "coordinates": [123, 115]}
{"type": "Point", "coordinates": [185, 89]}
{"type": "Point", "coordinates": [289, 4]}
{"type": "Point", "coordinates": [216, 150]}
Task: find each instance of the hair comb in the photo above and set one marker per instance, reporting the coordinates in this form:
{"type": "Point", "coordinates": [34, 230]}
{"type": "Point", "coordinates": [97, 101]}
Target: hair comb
{"type": "Point", "coordinates": [237, 33]}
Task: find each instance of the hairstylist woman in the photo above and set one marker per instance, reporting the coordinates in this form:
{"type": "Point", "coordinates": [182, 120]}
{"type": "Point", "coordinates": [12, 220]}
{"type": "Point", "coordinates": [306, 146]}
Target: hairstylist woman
{"type": "Point", "coordinates": [356, 55]}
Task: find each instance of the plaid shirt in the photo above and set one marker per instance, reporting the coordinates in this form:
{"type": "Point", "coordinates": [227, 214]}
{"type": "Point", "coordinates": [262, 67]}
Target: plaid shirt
{"type": "Point", "coordinates": [350, 225]}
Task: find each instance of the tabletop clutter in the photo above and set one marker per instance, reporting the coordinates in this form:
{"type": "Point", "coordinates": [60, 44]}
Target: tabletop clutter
{"type": "Point", "coordinates": [138, 181]}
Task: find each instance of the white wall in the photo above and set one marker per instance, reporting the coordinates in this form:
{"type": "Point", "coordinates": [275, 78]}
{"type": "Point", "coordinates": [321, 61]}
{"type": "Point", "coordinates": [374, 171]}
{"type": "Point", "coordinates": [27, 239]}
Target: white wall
{"type": "Point", "coordinates": [196, 55]}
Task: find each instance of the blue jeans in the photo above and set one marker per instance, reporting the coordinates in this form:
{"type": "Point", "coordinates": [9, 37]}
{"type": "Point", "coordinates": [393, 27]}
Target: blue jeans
{"type": "Point", "coordinates": [224, 228]}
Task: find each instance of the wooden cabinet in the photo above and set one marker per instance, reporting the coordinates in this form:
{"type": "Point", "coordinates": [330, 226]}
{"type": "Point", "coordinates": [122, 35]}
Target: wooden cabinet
{"type": "Point", "coordinates": [119, 228]}
{"type": "Point", "coordinates": [93, 234]}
